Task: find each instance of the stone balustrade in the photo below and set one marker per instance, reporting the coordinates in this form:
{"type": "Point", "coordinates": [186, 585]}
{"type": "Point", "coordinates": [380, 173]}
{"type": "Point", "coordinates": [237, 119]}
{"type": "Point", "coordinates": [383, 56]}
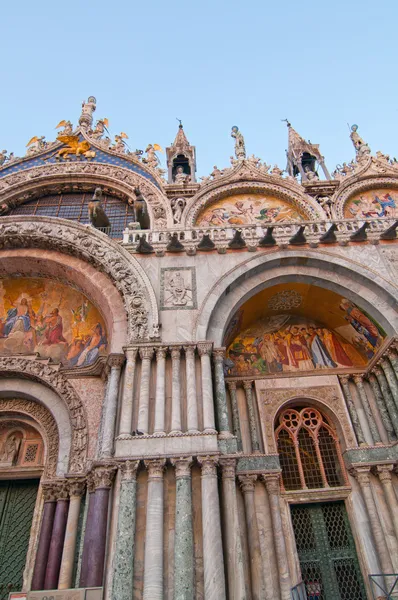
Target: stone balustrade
{"type": "Point", "coordinates": [253, 237]}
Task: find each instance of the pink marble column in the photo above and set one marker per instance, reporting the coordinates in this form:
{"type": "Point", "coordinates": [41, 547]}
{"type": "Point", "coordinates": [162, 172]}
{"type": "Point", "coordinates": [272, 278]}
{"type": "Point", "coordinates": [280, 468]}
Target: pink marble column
{"type": "Point", "coordinates": [247, 484]}
{"type": "Point", "coordinates": [57, 538]}
{"type": "Point", "coordinates": [89, 530]}
{"type": "Point", "coordinates": [50, 502]}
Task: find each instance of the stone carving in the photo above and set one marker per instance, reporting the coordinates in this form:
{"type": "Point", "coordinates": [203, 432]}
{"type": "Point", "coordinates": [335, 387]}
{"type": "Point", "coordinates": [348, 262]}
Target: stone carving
{"type": "Point", "coordinates": [67, 127]}
{"type": "Point", "coordinates": [96, 212]}
{"type": "Point", "coordinates": [4, 158]}
{"type": "Point", "coordinates": [209, 465]}
{"type": "Point", "coordinates": [311, 175]}
{"type": "Point", "coordinates": [74, 146]}
{"type": "Point", "coordinates": [129, 469]}
{"type": "Point", "coordinates": [120, 145]}
{"type": "Point", "coordinates": [104, 475]}
{"type": "Point", "coordinates": [57, 382]}
{"type": "Point", "coordinates": [10, 450]}
{"type": "Point", "coordinates": [98, 251]}
{"type": "Point", "coordinates": [40, 414]}
{"type": "Point", "coordinates": [360, 146]}
{"type": "Point", "coordinates": [88, 108]}
{"type": "Point", "coordinates": [177, 206]}
{"type": "Point", "coordinates": [76, 486]}
{"type": "Point", "coordinates": [178, 288]}
{"type": "Point", "coordinates": [228, 466]}
{"type": "Point", "coordinates": [180, 177]}
{"type": "Point", "coordinates": [182, 466]}
{"type": "Point", "coordinates": [277, 171]}
{"type": "Point", "coordinates": [285, 300]}
{"type": "Point", "coordinates": [99, 130]}
{"type": "Point", "coordinates": [247, 482]}
{"type": "Point", "coordinates": [36, 144]}
{"type": "Point", "coordinates": [240, 149]}
{"type": "Point", "coordinates": [155, 468]}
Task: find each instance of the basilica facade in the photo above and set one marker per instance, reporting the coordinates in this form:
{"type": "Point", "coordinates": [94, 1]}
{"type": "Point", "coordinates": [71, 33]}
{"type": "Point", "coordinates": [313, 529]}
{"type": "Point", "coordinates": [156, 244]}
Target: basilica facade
{"type": "Point", "coordinates": [198, 377]}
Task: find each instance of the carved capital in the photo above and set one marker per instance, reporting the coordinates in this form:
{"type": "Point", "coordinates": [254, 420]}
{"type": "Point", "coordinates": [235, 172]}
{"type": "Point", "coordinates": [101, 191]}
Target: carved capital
{"type": "Point", "coordinates": [146, 353]}
{"type": "Point", "coordinates": [115, 361]}
{"type": "Point", "coordinates": [377, 370]}
{"type": "Point", "coordinates": [50, 490]}
{"type": "Point", "coordinates": [219, 354]}
{"type": "Point", "coordinates": [189, 351]}
{"type": "Point", "coordinates": [104, 476]}
{"type": "Point", "coordinates": [358, 379]}
{"type": "Point", "coordinates": [175, 352]}
{"type": "Point", "coordinates": [161, 353]}
{"type": "Point", "coordinates": [231, 386]}
{"type": "Point", "coordinates": [209, 465]}
{"type": "Point", "coordinates": [155, 468]}
{"type": "Point", "coordinates": [247, 483]}
{"type": "Point", "coordinates": [272, 483]}
{"type": "Point", "coordinates": [129, 470]}
{"type": "Point", "coordinates": [90, 483]}
{"type": "Point", "coordinates": [228, 466]}
{"type": "Point", "coordinates": [131, 354]}
{"type": "Point", "coordinates": [363, 476]}
{"type": "Point", "coordinates": [344, 379]}
{"type": "Point", "coordinates": [204, 348]}
{"type": "Point", "coordinates": [76, 486]}
{"type": "Point", "coordinates": [384, 473]}
{"type": "Point", "coordinates": [248, 385]}
{"type": "Point", "coordinates": [182, 466]}
{"type": "Point", "coordinates": [391, 352]}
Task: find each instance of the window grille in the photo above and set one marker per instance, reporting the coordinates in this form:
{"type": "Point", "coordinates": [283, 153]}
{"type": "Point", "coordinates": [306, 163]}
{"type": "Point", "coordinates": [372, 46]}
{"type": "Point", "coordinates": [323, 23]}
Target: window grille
{"type": "Point", "coordinates": [308, 450]}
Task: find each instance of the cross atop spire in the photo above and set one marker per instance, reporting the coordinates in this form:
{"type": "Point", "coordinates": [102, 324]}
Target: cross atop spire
{"type": "Point", "coordinates": [303, 156]}
{"type": "Point", "coordinates": [181, 159]}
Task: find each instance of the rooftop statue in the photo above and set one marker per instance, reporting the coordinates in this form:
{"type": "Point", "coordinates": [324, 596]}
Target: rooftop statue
{"type": "Point", "coordinates": [36, 144]}
{"type": "Point", "coordinates": [361, 147]}
{"type": "Point", "coordinates": [151, 158]}
{"type": "Point", "coordinates": [99, 129]}
{"type": "Point", "coordinates": [97, 215]}
{"type": "Point", "coordinates": [74, 146]}
{"type": "Point", "coordinates": [240, 149]}
{"type": "Point", "coordinates": [67, 125]}
{"type": "Point", "coordinates": [311, 175]}
{"type": "Point", "coordinates": [3, 157]}
{"type": "Point", "coordinates": [276, 171]}
{"type": "Point", "coordinates": [180, 176]}
{"type": "Point", "coordinates": [88, 108]}
{"type": "Point", "coordinates": [120, 144]}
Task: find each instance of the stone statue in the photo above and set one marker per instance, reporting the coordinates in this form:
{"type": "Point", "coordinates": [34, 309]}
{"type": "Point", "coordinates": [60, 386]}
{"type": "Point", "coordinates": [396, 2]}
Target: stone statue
{"type": "Point", "coordinates": [326, 203]}
{"type": "Point", "coordinates": [180, 176]}
{"type": "Point", "coordinates": [3, 157]}
{"type": "Point", "coordinates": [96, 212]}
{"type": "Point", "coordinates": [240, 149]}
{"type": "Point", "coordinates": [68, 128]}
{"type": "Point", "coordinates": [151, 159]}
{"type": "Point", "coordinates": [216, 172]}
{"type": "Point", "coordinates": [11, 450]}
{"type": "Point", "coordinates": [310, 174]}
{"type": "Point", "coordinates": [99, 128]}
{"type": "Point", "coordinates": [36, 144]}
{"type": "Point", "coordinates": [88, 108]}
{"type": "Point", "coordinates": [177, 206]}
{"type": "Point", "coordinates": [120, 145]}
{"type": "Point", "coordinates": [361, 147]}
{"type": "Point", "coordinates": [276, 171]}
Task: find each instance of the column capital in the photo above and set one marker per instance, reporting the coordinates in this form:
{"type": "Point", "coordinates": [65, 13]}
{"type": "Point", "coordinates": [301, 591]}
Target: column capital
{"type": "Point", "coordinates": [247, 385]}
{"type": "Point", "coordinates": [204, 348]}
{"type": "Point", "coordinates": [189, 351]}
{"type": "Point", "coordinates": [155, 468]}
{"type": "Point", "coordinates": [228, 466]}
{"type": "Point", "coordinates": [130, 352]}
{"type": "Point", "coordinates": [377, 370]}
{"type": "Point", "coordinates": [272, 483]}
{"type": "Point", "coordinates": [232, 385]}
{"type": "Point", "coordinates": [115, 361]}
{"type": "Point", "coordinates": [219, 354]}
{"type": "Point", "coordinates": [362, 474]}
{"type": "Point", "coordinates": [103, 476]}
{"type": "Point", "coordinates": [247, 482]}
{"type": "Point", "coordinates": [344, 379]}
{"type": "Point", "coordinates": [161, 352]}
{"type": "Point", "coordinates": [90, 483]}
{"type": "Point", "coordinates": [392, 352]}
{"type": "Point", "coordinates": [129, 469]}
{"type": "Point", "coordinates": [50, 491]}
{"type": "Point", "coordinates": [175, 352]}
{"type": "Point", "coordinates": [209, 465]}
{"type": "Point", "coordinates": [358, 379]}
{"type": "Point", "coordinates": [182, 466]}
{"type": "Point", "coordinates": [384, 473]}
{"type": "Point", "coordinates": [146, 352]}
{"type": "Point", "coordinates": [76, 486]}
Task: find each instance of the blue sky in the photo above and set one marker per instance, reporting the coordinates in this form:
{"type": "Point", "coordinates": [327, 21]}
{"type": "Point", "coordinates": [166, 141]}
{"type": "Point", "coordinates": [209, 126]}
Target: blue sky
{"type": "Point", "coordinates": [212, 64]}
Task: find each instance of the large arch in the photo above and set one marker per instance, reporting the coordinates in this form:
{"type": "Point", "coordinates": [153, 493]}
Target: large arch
{"type": "Point", "coordinates": [358, 283]}
{"type": "Point", "coordinates": [100, 254]}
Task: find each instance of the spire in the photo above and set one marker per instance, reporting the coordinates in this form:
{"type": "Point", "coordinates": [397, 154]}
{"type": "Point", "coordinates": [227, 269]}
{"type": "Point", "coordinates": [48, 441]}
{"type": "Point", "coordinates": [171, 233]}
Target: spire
{"type": "Point", "coordinates": [302, 157]}
{"type": "Point", "coordinates": [181, 159]}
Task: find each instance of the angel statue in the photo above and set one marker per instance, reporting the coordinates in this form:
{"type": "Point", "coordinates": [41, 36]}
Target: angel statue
{"type": "Point", "coordinates": [361, 147]}
{"type": "Point", "coordinates": [151, 159]}
{"type": "Point", "coordinates": [120, 144]}
{"type": "Point", "coordinates": [100, 126]}
{"type": "Point", "coordinates": [67, 125]}
{"type": "Point", "coordinates": [240, 149]}
{"type": "Point", "coordinates": [3, 157]}
{"type": "Point", "coordinates": [36, 144]}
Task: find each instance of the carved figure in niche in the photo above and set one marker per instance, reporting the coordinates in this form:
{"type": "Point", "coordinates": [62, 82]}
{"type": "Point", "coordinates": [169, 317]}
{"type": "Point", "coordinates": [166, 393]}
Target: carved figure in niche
{"type": "Point", "coordinates": [178, 289]}
{"type": "Point", "coordinates": [177, 206]}
{"type": "Point", "coordinates": [141, 210]}
{"type": "Point", "coordinates": [361, 147]}
{"type": "Point", "coordinates": [240, 148]}
{"type": "Point", "coordinates": [67, 127]}
{"type": "Point", "coordinates": [311, 175]}
{"type": "Point", "coordinates": [96, 212]}
{"type": "Point", "coordinates": [36, 144]}
{"type": "Point", "coordinates": [11, 450]}
{"type": "Point", "coordinates": [180, 176]}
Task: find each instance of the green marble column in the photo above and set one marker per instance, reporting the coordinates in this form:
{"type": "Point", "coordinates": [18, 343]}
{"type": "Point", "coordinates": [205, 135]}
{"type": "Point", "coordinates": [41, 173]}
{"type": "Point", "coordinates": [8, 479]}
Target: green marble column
{"type": "Point", "coordinates": [385, 417]}
{"type": "Point", "coordinates": [184, 573]}
{"type": "Point", "coordinates": [122, 588]}
{"type": "Point", "coordinates": [352, 410]}
{"type": "Point", "coordinates": [252, 419]}
{"type": "Point", "coordinates": [391, 378]}
{"type": "Point", "coordinates": [368, 411]}
{"type": "Point", "coordinates": [235, 413]}
{"type": "Point", "coordinates": [392, 355]}
{"type": "Point", "coordinates": [220, 393]}
{"type": "Point", "coordinates": [388, 399]}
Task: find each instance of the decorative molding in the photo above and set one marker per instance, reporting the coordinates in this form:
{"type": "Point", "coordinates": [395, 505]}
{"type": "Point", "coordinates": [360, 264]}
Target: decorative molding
{"type": "Point", "coordinates": [55, 380]}
{"type": "Point", "coordinates": [178, 288]}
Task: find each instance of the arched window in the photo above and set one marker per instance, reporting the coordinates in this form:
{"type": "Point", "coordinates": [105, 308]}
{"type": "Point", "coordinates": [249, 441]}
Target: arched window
{"type": "Point", "coordinates": [309, 450]}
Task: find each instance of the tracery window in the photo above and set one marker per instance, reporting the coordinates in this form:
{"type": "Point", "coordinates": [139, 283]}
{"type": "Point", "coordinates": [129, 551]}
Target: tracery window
{"type": "Point", "coordinates": [309, 450]}
{"type": "Point", "coordinates": [75, 208]}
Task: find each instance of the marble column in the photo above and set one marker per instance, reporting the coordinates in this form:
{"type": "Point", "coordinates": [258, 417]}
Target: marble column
{"type": "Point", "coordinates": [252, 419]}
{"type": "Point", "coordinates": [363, 476]}
{"type": "Point", "coordinates": [235, 413]}
{"type": "Point", "coordinates": [57, 538]}
{"type": "Point", "coordinates": [126, 412]}
{"type": "Point", "coordinates": [247, 484]}
{"type": "Point", "coordinates": [204, 349]}
{"type": "Point", "coordinates": [160, 397]}
{"type": "Point", "coordinates": [220, 393]}
{"type": "Point", "coordinates": [123, 562]}
{"type": "Point", "coordinates": [392, 355]}
{"type": "Point", "coordinates": [43, 548]}
{"type": "Point", "coordinates": [103, 479]}
{"type": "Point", "coordinates": [273, 488]}
{"type": "Point", "coordinates": [384, 473]}
{"type": "Point", "coordinates": [352, 410]}
{"type": "Point", "coordinates": [115, 362]}
{"type": "Point", "coordinates": [233, 543]}
{"type": "Point", "coordinates": [192, 406]}
{"type": "Point", "coordinates": [388, 399]}
{"type": "Point", "coordinates": [184, 571]}
{"type": "Point", "coordinates": [391, 378]}
{"type": "Point", "coordinates": [385, 417]}
{"type": "Point", "coordinates": [213, 560]}
{"type": "Point", "coordinates": [89, 531]}
{"type": "Point", "coordinates": [368, 411]}
{"type": "Point", "coordinates": [76, 489]}
{"type": "Point", "coordinates": [153, 561]}
{"type": "Point", "coordinates": [146, 354]}
{"type": "Point", "coordinates": [175, 389]}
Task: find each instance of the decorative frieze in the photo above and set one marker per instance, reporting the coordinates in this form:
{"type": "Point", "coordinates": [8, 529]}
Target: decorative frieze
{"type": "Point", "coordinates": [178, 288]}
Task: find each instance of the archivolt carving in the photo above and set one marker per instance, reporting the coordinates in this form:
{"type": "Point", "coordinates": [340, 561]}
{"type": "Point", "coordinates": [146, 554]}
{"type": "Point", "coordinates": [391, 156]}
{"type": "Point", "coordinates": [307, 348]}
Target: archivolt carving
{"type": "Point", "coordinates": [40, 414]}
{"type": "Point", "coordinates": [97, 249]}
{"type": "Point", "coordinates": [61, 386]}
{"type": "Point", "coordinates": [24, 185]}
{"type": "Point", "coordinates": [272, 400]}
